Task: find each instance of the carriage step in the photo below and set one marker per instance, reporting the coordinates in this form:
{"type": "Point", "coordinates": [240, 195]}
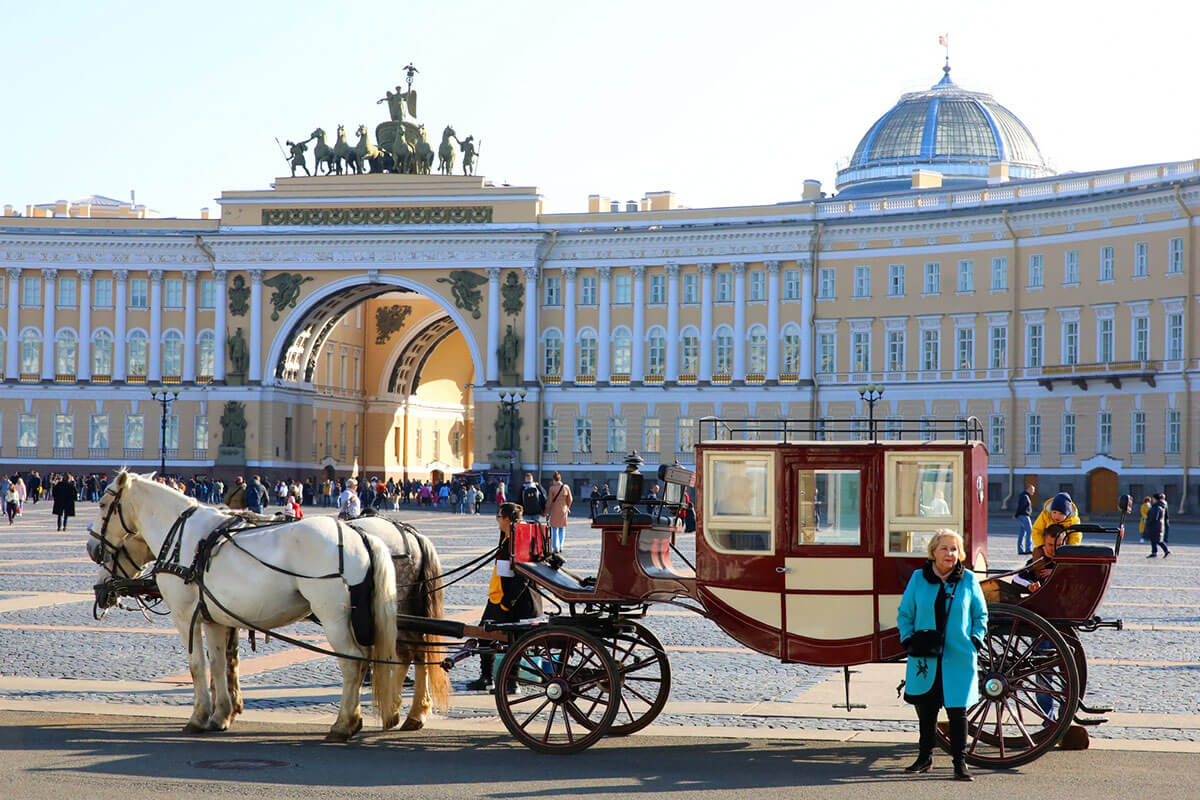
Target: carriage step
{"type": "Point", "coordinates": [1090, 720]}
{"type": "Point", "coordinates": [1095, 709]}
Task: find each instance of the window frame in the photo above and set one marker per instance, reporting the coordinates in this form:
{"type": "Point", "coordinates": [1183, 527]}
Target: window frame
{"type": "Point", "coordinates": [765, 523]}
{"type": "Point", "coordinates": [919, 524]}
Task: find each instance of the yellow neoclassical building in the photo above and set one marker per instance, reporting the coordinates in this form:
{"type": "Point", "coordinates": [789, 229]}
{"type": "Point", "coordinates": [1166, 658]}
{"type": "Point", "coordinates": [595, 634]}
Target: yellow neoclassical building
{"type": "Point", "coordinates": [425, 325]}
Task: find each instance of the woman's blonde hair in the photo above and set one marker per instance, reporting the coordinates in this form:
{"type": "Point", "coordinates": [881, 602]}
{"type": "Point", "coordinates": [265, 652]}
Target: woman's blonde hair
{"type": "Point", "coordinates": [942, 534]}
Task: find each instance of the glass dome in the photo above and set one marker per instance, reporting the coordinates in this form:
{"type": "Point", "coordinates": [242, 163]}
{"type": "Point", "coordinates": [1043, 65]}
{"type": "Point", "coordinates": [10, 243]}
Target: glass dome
{"type": "Point", "coordinates": [945, 129]}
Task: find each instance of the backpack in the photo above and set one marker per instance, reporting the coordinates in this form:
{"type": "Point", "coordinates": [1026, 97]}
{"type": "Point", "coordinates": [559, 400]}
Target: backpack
{"type": "Point", "coordinates": [533, 500]}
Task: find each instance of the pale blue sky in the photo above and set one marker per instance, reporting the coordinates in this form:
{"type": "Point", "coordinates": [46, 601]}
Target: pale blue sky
{"type": "Point", "coordinates": [725, 103]}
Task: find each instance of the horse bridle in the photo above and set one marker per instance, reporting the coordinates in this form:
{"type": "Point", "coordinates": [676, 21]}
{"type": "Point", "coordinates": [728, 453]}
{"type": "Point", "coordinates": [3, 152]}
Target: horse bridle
{"type": "Point", "coordinates": [105, 546]}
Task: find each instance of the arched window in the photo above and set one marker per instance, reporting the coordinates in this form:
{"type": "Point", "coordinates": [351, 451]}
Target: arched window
{"type": "Point", "coordinates": [689, 352]}
{"type": "Point", "coordinates": [139, 350]}
{"type": "Point", "coordinates": [587, 354]}
{"type": "Point", "coordinates": [791, 350]}
{"type": "Point", "coordinates": [656, 352]}
{"type": "Point", "coordinates": [757, 350]}
{"type": "Point", "coordinates": [552, 353]}
{"type": "Point", "coordinates": [723, 361]}
{"type": "Point", "coordinates": [31, 352]}
{"type": "Point", "coordinates": [622, 352]}
{"type": "Point", "coordinates": [172, 354]}
{"type": "Point", "coordinates": [66, 347]}
{"type": "Point", "coordinates": [102, 354]}
{"type": "Point", "coordinates": [206, 352]}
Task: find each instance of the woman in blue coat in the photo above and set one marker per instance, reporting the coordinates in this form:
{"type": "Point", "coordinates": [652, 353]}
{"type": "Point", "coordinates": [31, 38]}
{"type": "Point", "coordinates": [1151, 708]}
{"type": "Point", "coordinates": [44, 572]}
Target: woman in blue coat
{"type": "Point", "coordinates": [945, 609]}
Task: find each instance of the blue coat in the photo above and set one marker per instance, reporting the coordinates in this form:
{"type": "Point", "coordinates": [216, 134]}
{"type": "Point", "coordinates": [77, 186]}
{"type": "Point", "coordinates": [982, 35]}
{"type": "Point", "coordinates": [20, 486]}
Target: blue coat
{"type": "Point", "coordinates": [967, 619]}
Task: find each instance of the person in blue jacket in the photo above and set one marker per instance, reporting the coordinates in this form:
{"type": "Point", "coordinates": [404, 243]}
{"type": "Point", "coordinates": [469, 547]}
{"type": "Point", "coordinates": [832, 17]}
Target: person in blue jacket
{"type": "Point", "coordinates": [943, 605]}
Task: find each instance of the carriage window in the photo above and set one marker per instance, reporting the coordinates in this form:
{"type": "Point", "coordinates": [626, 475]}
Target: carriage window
{"type": "Point", "coordinates": [740, 500]}
{"type": "Point", "coordinates": [829, 503]}
{"type": "Point", "coordinates": [924, 489]}
{"type": "Point", "coordinates": [924, 495]}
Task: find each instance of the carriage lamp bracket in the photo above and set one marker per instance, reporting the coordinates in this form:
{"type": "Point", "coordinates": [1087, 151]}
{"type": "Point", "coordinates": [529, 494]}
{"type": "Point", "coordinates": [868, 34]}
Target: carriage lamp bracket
{"type": "Point", "coordinates": [846, 673]}
{"type": "Point", "coordinates": [629, 490]}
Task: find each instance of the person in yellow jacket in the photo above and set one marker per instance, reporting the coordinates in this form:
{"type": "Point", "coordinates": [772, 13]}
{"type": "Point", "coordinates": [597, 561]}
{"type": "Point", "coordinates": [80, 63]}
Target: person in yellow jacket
{"type": "Point", "coordinates": [1059, 510]}
{"type": "Point", "coordinates": [1146, 503]}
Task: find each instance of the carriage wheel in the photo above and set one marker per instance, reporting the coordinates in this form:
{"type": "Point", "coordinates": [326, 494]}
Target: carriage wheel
{"type": "Point", "coordinates": [1025, 663]}
{"type": "Point", "coordinates": [645, 678]}
{"type": "Point", "coordinates": [558, 690]}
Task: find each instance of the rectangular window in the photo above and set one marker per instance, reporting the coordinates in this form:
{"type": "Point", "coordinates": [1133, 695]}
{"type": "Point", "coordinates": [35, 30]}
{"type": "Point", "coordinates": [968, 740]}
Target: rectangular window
{"type": "Point", "coordinates": [1174, 336]}
{"type": "Point", "coordinates": [724, 287]}
{"type": "Point", "coordinates": [933, 278]}
{"type": "Point", "coordinates": [862, 281]}
{"type": "Point", "coordinates": [895, 351]}
{"type": "Point", "coordinates": [658, 289]}
{"type": "Point", "coordinates": [1104, 342]}
{"type": "Point", "coordinates": [999, 274]}
{"type": "Point", "coordinates": [549, 435]}
{"type": "Point", "coordinates": [1175, 256]}
{"type": "Point", "coordinates": [1033, 347]}
{"type": "Point", "coordinates": [1108, 260]}
{"type": "Point", "coordinates": [31, 292]}
{"type": "Point", "coordinates": [583, 436]}
{"type": "Point", "coordinates": [1033, 434]}
{"type": "Point", "coordinates": [860, 350]}
{"type": "Point", "coordinates": [139, 293]}
{"type": "Point", "coordinates": [997, 434]}
{"type": "Point", "coordinates": [930, 349]}
{"type": "Point", "coordinates": [1104, 442]}
{"type": "Point", "coordinates": [208, 294]}
{"type": "Point", "coordinates": [825, 283]}
{"type": "Point", "coordinates": [98, 432]}
{"type": "Point", "coordinates": [1070, 344]}
{"type": "Point", "coordinates": [1141, 338]}
{"type": "Point", "coordinates": [200, 433]}
{"type": "Point", "coordinates": [102, 293]}
{"type": "Point", "coordinates": [758, 285]}
{"type": "Point", "coordinates": [135, 432]}
{"type": "Point", "coordinates": [1035, 271]}
{"type": "Point", "coordinates": [685, 430]}
{"type": "Point", "coordinates": [895, 280]}
{"type": "Point", "coordinates": [829, 512]}
{"type": "Point", "coordinates": [436, 442]}
{"type": "Point", "coordinates": [1071, 268]}
{"type": "Point", "coordinates": [328, 438]}
{"type": "Point", "coordinates": [1174, 428]}
{"type": "Point", "coordinates": [791, 284]}
{"type": "Point", "coordinates": [173, 293]}
{"type": "Point", "coordinates": [651, 441]}
{"type": "Point", "coordinates": [552, 291]}
{"type": "Point", "coordinates": [172, 439]}
{"type": "Point", "coordinates": [67, 294]}
{"type": "Point", "coordinates": [740, 521]}
{"type": "Point", "coordinates": [587, 290]}
{"type": "Point", "coordinates": [926, 496]}
{"type": "Point", "coordinates": [826, 353]}
{"type": "Point", "coordinates": [616, 435]}
{"type": "Point", "coordinates": [622, 289]}
{"type": "Point", "coordinates": [1138, 432]}
{"type": "Point", "coordinates": [64, 431]}
{"type": "Point", "coordinates": [964, 348]}
{"type": "Point", "coordinates": [27, 432]}
{"type": "Point", "coordinates": [691, 289]}
{"type": "Point", "coordinates": [1141, 259]}
{"type": "Point", "coordinates": [1068, 434]}
{"type": "Point", "coordinates": [656, 355]}
{"type": "Point", "coordinates": [998, 348]}
{"type": "Point", "coordinates": [966, 276]}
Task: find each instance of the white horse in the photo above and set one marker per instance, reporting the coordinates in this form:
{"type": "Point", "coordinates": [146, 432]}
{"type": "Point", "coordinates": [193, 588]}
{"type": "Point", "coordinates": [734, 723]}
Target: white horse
{"type": "Point", "coordinates": [268, 577]}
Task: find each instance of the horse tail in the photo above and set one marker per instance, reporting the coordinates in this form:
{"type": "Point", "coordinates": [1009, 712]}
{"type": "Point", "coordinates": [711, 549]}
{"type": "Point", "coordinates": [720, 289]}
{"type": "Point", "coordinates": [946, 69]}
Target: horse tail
{"type": "Point", "coordinates": [386, 679]}
{"type": "Point", "coordinates": [432, 602]}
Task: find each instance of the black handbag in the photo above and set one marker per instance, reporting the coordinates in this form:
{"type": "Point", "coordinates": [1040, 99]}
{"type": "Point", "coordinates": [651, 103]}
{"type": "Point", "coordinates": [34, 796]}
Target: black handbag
{"type": "Point", "coordinates": [925, 644]}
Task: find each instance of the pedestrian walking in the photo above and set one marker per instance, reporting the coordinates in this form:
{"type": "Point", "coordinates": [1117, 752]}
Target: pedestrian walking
{"type": "Point", "coordinates": [12, 500]}
{"type": "Point", "coordinates": [64, 493]}
{"type": "Point", "coordinates": [349, 505]}
{"type": "Point", "coordinates": [1156, 526]}
{"type": "Point", "coordinates": [559, 508]}
{"type": "Point", "coordinates": [236, 497]}
{"type": "Point", "coordinates": [1024, 517]}
{"type": "Point", "coordinates": [533, 498]}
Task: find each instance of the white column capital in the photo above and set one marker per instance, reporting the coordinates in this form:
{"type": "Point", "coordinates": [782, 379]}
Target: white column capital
{"type": "Point", "coordinates": [569, 272]}
{"type": "Point", "coordinates": [805, 265]}
{"type": "Point", "coordinates": [219, 275]}
{"type": "Point", "coordinates": [156, 276]}
{"type": "Point", "coordinates": [256, 277]}
{"type": "Point", "coordinates": [190, 275]}
{"type": "Point", "coordinates": [85, 275]}
{"type": "Point", "coordinates": [638, 271]}
{"type": "Point", "coordinates": [772, 267]}
{"type": "Point", "coordinates": [707, 268]}
{"type": "Point", "coordinates": [739, 267]}
{"type": "Point", "coordinates": [50, 273]}
{"type": "Point", "coordinates": [121, 275]}
{"type": "Point", "coordinates": [532, 273]}
{"type": "Point", "coordinates": [604, 272]}
{"type": "Point", "coordinates": [672, 268]}
{"type": "Point", "coordinates": [13, 272]}
{"type": "Point", "coordinates": [493, 273]}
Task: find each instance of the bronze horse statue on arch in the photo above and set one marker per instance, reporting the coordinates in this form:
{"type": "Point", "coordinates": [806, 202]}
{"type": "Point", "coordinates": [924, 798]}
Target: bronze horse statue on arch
{"type": "Point", "coordinates": [446, 151]}
{"type": "Point", "coordinates": [322, 153]}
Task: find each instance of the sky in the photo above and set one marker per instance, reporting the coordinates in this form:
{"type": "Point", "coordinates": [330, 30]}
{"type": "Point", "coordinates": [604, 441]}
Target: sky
{"type": "Point", "coordinates": [723, 103]}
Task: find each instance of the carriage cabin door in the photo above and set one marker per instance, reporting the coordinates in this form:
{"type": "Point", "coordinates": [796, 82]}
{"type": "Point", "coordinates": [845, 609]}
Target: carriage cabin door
{"type": "Point", "coordinates": [827, 546]}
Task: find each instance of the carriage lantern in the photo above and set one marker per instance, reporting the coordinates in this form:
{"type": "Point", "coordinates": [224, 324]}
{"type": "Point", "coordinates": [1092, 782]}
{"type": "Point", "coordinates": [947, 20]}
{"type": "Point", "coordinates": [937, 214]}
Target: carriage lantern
{"type": "Point", "coordinates": [629, 482]}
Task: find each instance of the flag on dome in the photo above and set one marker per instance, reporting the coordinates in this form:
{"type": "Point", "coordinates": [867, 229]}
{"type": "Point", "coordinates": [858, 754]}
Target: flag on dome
{"type": "Point", "coordinates": [944, 40]}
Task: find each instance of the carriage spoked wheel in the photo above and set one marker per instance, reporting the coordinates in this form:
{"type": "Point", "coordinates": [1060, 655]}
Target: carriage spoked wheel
{"type": "Point", "coordinates": [1028, 690]}
{"type": "Point", "coordinates": [558, 690]}
{"type": "Point", "coordinates": [645, 678]}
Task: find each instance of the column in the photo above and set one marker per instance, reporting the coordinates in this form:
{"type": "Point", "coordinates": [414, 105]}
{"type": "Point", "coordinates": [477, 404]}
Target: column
{"type": "Point", "coordinates": [638, 367]}
{"type": "Point", "coordinates": [739, 321]}
{"type": "Point", "coordinates": [83, 370]}
{"type": "Point", "coordinates": [121, 310]}
{"type": "Point", "coordinates": [772, 320]}
{"type": "Point", "coordinates": [493, 325]}
{"type": "Point", "coordinates": [12, 355]}
{"type": "Point", "coordinates": [154, 367]}
{"type": "Point", "coordinates": [256, 278]}
{"type": "Point", "coordinates": [672, 365]}
{"type": "Point", "coordinates": [531, 324]}
{"type": "Point", "coordinates": [568, 352]}
{"type": "Point", "coordinates": [806, 320]}
{"type": "Point", "coordinates": [603, 343]}
{"type": "Point", "coordinates": [219, 343]}
{"type": "Point", "coordinates": [49, 297]}
{"type": "Point", "coordinates": [706, 326]}
{"type": "Point", "coordinates": [189, 326]}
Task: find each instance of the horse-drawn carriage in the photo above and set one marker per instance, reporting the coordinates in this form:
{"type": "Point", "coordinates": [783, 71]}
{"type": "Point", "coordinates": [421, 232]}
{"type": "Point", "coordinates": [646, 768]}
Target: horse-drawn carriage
{"type": "Point", "coordinates": [803, 548]}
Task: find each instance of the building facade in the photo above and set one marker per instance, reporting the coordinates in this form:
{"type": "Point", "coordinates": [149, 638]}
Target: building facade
{"type": "Point", "coordinates": [383, 323]}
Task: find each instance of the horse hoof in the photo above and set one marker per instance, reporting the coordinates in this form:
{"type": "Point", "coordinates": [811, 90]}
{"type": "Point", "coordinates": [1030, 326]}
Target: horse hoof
{"type": "Point", "coordinates": [215, 726]}
{"type": "Point", "coordinates": [411, 724]}
{"type": "Point", "coordinates": [337, 737]}
{"type": "Point", "coordinates": [391, 722]}
{"type": "Point", "coordinates": [194, 727]}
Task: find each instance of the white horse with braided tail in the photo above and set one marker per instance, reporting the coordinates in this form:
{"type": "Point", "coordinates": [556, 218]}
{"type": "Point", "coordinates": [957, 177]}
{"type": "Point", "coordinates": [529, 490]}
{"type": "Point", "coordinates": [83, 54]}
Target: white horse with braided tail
{"type": "Point", "coordinates": [263, 577]}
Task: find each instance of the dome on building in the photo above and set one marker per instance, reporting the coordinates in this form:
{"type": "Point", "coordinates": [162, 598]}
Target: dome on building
{"type": "Point", "coordinates": [945, 129]}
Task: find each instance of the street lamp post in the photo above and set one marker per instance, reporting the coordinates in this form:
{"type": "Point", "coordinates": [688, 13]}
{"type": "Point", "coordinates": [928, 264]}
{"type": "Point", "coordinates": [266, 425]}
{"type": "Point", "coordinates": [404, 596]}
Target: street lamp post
{"type": "Point", "coordinates": [164, 397]}
{"type": "Point", "coordinates": [871, 394]}
{"type": "Point", "coordinates": [510, 404]}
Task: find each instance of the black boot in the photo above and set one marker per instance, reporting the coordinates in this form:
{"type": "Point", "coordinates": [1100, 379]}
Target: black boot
{"type": "Point", "coordinates": [958, 743]}
{"type": "Point", "coordinates": [924, 763]}
{"type": "Point", "coordinates": [484, 681]}
{"type": "Point", "coordinates": [961, 773]}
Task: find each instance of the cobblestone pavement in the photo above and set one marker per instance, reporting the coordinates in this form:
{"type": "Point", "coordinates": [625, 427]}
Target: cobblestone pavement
{"type": "Point", "coordinates": [52, 649]}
